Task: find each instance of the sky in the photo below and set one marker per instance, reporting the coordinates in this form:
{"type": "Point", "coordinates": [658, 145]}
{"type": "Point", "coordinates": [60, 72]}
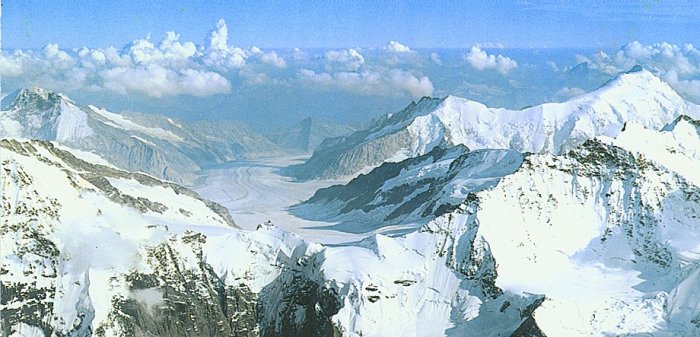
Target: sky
{"type": "Point", "coordinates": [271, 64]}
{"type": "Point", "coordinates": [342, 24]}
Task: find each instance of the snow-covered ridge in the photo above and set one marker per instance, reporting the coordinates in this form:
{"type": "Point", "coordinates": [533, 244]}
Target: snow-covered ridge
{"type": "Point", "coordinates": [126, 124]}
{"type": "Point", "coordinates": [636, 96]}
{"type": "Point", "coordinates": [153, 144]}
{"type": "Point", "coordinates": [605, 235]}
{"type": "Point", "coordinates": [509, 259]}
{"type": "Point", "coordinates": [403, 196]}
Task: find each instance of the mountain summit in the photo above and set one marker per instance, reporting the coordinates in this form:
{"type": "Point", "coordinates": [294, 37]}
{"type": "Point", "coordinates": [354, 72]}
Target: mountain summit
{"type": "Point", "coordinates": [637, 95]}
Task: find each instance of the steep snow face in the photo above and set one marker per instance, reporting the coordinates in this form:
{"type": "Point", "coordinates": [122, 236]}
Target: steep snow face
{"type": "Point", "coordinates": [72, 230]}
{"type": "Point", "coordinates": [636, 96]}
{"type": "Point", "coordinates": [72, 124]}
{"type": "Point", "coordinates": [677, 146]}
{"type": "Point", "coordinates": [403, 196]}
{"type": "Point", "coordinates": [604, 235]}
{"type": "Point", "coordinates": [37, 113]}
{"type": "Point", "coordinates": [126, 124]}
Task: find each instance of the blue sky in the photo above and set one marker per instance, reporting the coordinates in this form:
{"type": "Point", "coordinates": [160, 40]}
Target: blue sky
{"type": "Point", "coordinates": [335, 24]}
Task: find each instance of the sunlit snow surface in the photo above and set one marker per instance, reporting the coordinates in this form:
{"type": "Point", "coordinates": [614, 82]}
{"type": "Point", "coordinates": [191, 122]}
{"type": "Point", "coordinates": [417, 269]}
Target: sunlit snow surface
{"type": "Point", "coordinates": [597, 241]}
{"type": "Point", "coordinates": [255, 192]}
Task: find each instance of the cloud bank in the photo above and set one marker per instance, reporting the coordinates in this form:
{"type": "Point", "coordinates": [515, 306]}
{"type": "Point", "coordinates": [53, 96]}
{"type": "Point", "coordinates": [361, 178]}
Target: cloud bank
{"type": "Point", "coordinates": [480, 60]}
{"type": "Point", "coordinates": [677, 65]}
{"type": "Point", "coordinates": [168, 68]}
{"type": "Point", "coordinates": [393, 82]}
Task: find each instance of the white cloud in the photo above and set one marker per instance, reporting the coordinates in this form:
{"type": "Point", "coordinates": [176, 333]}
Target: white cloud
{"type": "Point", "coordinates": [677, 65]}
{"type": "Point", "coordinates": [480, 60]}
{"type": "Point", "coordinates": [344, 60]}
{"type": "Point", "coordinates": [218, 37]}
{"type": "Point", "coordinates": [219, 53]}
{"type": "Point", "coordinates": [397, 47]}
{"type": "Point", "coordinates": [273, 59]}
{"type": "Point", "coordinates": [690, 87]}
{"type": "Point", "coordinates": [155, 68]}
{"type": "Point", "coordinates": [157, 81]}
{"type": "Point", "coordinates": [392, 82]}
{"type": "Point", "coordinates": [659, 57]}
{"type": "Point", "coordinates": [435, 57]}
{"type": "Point", "coordinates": [11, 65]}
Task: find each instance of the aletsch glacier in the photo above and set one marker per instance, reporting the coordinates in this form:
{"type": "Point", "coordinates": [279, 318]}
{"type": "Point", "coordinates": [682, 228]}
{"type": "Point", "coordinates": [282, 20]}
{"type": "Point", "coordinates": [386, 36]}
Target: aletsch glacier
{"type": "Point", "coordinates": [570, 219]}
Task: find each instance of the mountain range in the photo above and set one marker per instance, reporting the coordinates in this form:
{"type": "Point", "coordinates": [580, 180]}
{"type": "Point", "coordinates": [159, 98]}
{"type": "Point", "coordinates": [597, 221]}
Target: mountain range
{"type": "Point", "coordinates": [154, 144]}
{"type": "Point", "coordinates": [636, 95]}
{"type": "Point", "coordinates": [570, 219]}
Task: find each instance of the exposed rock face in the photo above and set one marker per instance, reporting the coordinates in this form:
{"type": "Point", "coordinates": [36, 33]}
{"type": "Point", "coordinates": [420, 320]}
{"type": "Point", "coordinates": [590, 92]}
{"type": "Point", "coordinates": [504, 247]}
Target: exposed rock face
{"type": "Point", "coordinates": [418, 188]}
{"type": "Point", "coordinates": [176, 300]}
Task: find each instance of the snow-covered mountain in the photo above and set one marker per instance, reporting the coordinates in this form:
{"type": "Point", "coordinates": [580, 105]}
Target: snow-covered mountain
{"type": "Point", "coordinates": [636, 95]}
{"type": "Point", "coordinates": [308, 134]}
{"type": "Point", "coordinates": [603, 238]}
{"type": "Point", "coordinates": [598, 241]}
{"type": "Point", "coordinates": [153, 144]}
{"type": "Point", "coordinates": [582, 236]}
{"type": "Point", "coordinates": [408, 191]}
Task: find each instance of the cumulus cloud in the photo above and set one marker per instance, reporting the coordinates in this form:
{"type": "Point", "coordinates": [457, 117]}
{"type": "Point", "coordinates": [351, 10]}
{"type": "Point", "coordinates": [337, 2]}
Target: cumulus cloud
{"type": "Point", "coordinates": [344, 60]}
{"type": "Point", "coordinates": [435, 57]}
{"type": "Point", "coordinates": [168, 67]}
{"type": "Point", "coordinates": [273, 59]}
{"type": "Point", "coordinates": [397, 47]}
{"type": "Point", "coordinates": [480, 60]}
{"type": "Point", "coordinates": [689, 87]}
{"type": "Point", "coordinates": [391, 82]}
{"type": "Point", "coordinates": [11, 65]}
{"type": "Point", "coordinates": [662, 57]}
{"type": "Point", "coordinates": [157, 81]}
{"type": "Point", "coordinates": [677, 65]}
{"type": "Point", "coordinates": [219, 53]}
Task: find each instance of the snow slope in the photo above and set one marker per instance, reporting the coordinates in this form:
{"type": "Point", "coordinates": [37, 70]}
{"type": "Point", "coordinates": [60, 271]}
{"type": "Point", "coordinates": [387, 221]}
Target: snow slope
{"type": "Point", "coordinates": [598, 238]}
{"type": "Point", "coordinates": [508, 259]}
{"type": "Point", "coordinates": [605, 235]}
{"type": "Point", "coordinates": [398, 196]}
{"type": "Point", "coordinates": [152, 144]}
{"type": "Point", "coordinates": [636, 96]}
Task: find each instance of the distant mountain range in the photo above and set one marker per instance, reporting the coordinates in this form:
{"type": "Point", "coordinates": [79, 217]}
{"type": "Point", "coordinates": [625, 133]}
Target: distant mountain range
{"type": "Point", "coordinates": [154, 144]}
{"type": "Point", "coordinates": [636, 95]}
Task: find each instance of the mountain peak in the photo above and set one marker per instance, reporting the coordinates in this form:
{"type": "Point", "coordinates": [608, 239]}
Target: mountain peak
{"type": "Point", "coordinates": [637, 81]}
{"type": "Point", "coordinates": [36, 98]}
{"type": "Point", "coordinates": [637, 68]}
